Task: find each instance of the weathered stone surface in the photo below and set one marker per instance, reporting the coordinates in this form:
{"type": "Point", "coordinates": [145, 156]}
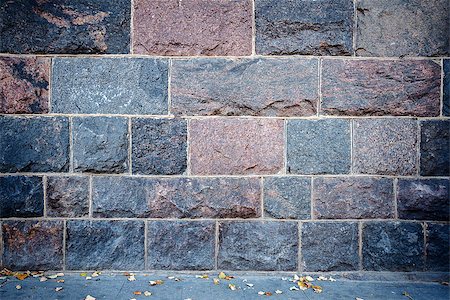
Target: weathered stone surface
{"type": "Point", "coordinates": [67, 196]}
{"type": "Point", "coordinates": [21, 196]}
{"type": "Point", "coordinates": [392, 246]}
{"type": "Point", "coordinates": [402, 28]}
{"type": "Point", "coordinates": [287, 197]}
{"type": "Point", "coordinates": [255, 87]}
{"type": "Point", "coordinates": [236, 146]}
{"type": "Point", "coordinates": [376, 87]}
{"type": "Point", "coordinates": [96, 245]}
{"type": "Point", "coordinates": [33, 245]}
{"type": "Point", "coordinates": [65, 26]}
{"type": "Point", "coordinates": [24, 85]}
{"type": "Point", "coordinates": [423, 199]}
{"type": "Point", "coordinates": [446, 106]}
{"type": "Point", "coordinates": [109, 85]}
{"type": "Point", "coordinates": [330, 246]}
{"type": "Point", "coordinates": [100, 144]}
{"type": "Point", "coordinates": [159, 146]}
{"type": "Point", "coordinates": [304, 27]}
{"type": "Point", "coordinates": [435, 148]}
{"type": "Point", "coordinates": [353, 198]}
{"type": "Point", "coordinates": [176, 197]}
{"type": "Point", "coordinates": [38, 144]}
{"type": "Point", "coordinates": [385, 146]}
{"type": "Point", "coordinates": [193, 27]}
{"type": "Point", "coordinates": [318, 146]}
{"type": "Point", "coordinates": [437, 250]}
{"type": "Point", "coordinates": [261, 246]}
{"type": "Point", "coordinates": [181, 245]}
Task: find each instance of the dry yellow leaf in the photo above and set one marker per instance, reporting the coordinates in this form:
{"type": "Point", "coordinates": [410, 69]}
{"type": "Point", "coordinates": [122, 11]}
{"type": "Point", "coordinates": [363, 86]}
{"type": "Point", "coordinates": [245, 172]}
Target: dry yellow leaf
{"type": "Point", "coordinates": [83, 275]}
{"type": "Point", "coordinates": [60, 280]}
{"type": "Point", "coordinates": [216, 281]}
{"type": "Point", "coordinates": [232, 287]}
{"type": "Point", "coordinates": [21, 276]}
{"type": "Point", "coordinates": [317, 289]}
{"type": "Point", "coordinates": [204, 276]}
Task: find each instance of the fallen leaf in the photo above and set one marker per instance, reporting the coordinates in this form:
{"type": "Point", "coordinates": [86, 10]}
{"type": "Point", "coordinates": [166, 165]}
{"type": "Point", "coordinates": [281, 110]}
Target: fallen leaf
{"type": "Point", "coordinates": [317, 289]}
{"type": "Point", "coordinates": [83, 275]}
{"type": "Point", "coordinates": [359, 298]}
{"type": "Point", "coordinates": [52, 276]}
{"type": "Point", "coordinates": [42, 279]}
{"type": "Point", "coordinates": [89, 297]}
{"type": "Point", "coordinates": [309, 278]}
{"type": "Point", "coordinates": [332, 279]}
{"type": "Point", "coordinates": [444, 283]}
{"type": "Point", "coordinates": [284, 278]}
{"type": "Point", "coordinates": [147, 294]}
{"type": "Point", "coordinates": [204, 276]}
{"type": "Point", "coordinates": [250, 284]}
{"type": "Point", "coordinates": [293, 288]}
{"type": "Point", "coordinates": [18, 287]}
{"type": "Point", "coordinates": [278, 292]}
{"type": "Point", "coordinates": [322, 278]}
{"type": "Point", "coordinates": [88, 277]}
{"type": "Point", "coordinates": [296, 278]}
{"type": "Point", "coordinates": [232, 287]}
{"type": "Point", "coordinates": [60, 274]}
{"type": "Point", "coordinates": [95, 274]}
{"type": "Point", "coordinates": [60, 280]}
{"type": "Point", "coordinates": [268, 293]}
{"type": "Point", "coordinates": [406, 294]}
{"type": "Point", "coordinates": [261, 293]}
{"type": "Point", "coordinates": [222, 275]}
{"type": "Point", "coordinates": [59, 288]}
{"type": "Point", "coordinates": [21, 276]}
{"type": "Point", "coordinates": [131, 278]}
{"type": "Point", "coordinates": [137, 293]}
{"type": "Point", "coordinates": [171, 277]}
{"type": "Point", "coordinates": [303, 285]}
{"type": "Point", "coordinates": [3, 277]}
{"type": "Point", "coordinates": [126, 274]}
{"type": "Point", "coordinates": [133, 299]}
{"type": "Point", "coordinates": [216, 281]}
{"type": "Point", "coordinates": [156, 282]}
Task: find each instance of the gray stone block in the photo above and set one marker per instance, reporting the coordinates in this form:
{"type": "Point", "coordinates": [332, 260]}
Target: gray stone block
{"type": "Point", "coordinates": [100, 145]}
{"type": "Point", "coordinates": [329, 247]}
{"type": "Point", "coordinates": [159, 146]}
{"type": "Point", "coordinates": [21, 196]}
{"type": "Point", "coordinates": [38, 144]}
{"type": "Point", "coordinates": [261, 246]}
{"type": "Point", "coordinates": [446, 106]}
{"type": "Point", "coordinates": [96, 245]}
{"type": "Point", "coordinates": [109, 85]}
{"type": "Point", "coordinates": [181, 245]}
{"type": "Point", "coordinates": [67, 196]}
{"type": "Point", "coordinates": [392, 246]}
{"type": "Point", "coordinates": [287, 197]}
{"type": "Point", "coordinates": [435, 148]}
{"type": "Point", "coordinates": [437, 249]}
{"type": "Point", "coordinates": [318, 146]}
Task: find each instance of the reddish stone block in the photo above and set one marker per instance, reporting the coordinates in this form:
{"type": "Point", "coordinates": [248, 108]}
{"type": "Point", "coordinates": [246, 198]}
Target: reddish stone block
{"type": "Point", "coordinates": [24, 85]}
{"type": "Point", "coordinates": [193, 27]}
{"type": "Point", "coordinates": [236, 146]}
{"type": "Point", "coordinates": [376, 88]}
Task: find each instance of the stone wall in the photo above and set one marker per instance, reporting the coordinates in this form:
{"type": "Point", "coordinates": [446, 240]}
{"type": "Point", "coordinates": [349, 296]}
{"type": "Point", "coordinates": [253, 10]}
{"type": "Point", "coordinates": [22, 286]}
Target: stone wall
{"type": "Point", "coordinates": [266, 135]}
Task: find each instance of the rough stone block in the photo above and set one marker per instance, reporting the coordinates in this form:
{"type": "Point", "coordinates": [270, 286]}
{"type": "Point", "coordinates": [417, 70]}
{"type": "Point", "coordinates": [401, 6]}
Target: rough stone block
{"type": "Point", "coordinates": [193, 27]}
{"type": "Point", "coordinates": [423, 199]}
{"type": "Point", "coordinates": [110, 85]}
{"type": "Point", "coordinates": [24, 85]}
{"type": "Point", "coordinates": [385, 146]}
{"type": "Point", "coordinates": [402, 28]}
{"type": "Point", "coordinates": [255, 87]}
{"type": "Point", "coordinates": [176, 197]}
{"type": "Point", "coordinates": [181, 245]}
{"type": "Point", "coordinates": [311, 27]}
{"type": "Point", "coordinates": [21, 196]}
{"type": "Point", "coordinates": [353, 198]}
{"type": "Point", "coordinates": [33, 245]}
{"type": "Point", "coordinates": [392, 246]}
{"type": "Point", "coordinates": [377, 88]}
{"type": "Point", "coordinates": [159, 146]}
{"type": "Point", "coordinates": [236, 146]}
{"type": "Point", "coordinates": [446, 106]}
{"type": "Point", "coordinates": [67, 196]}
{"type": "Point", "coordinates": [287, 197]}
{"type": "Point", "coordinates": [318, 146]}
{"type": "Point", "coordinates": [435, 148]}
{"type": "Point", "coordinates": [96, 245]}
{"type": "Point", "coordinates": [100, 144]}
{"type": "Point", "coordinates": [329, 247]}
{"type": "Point", "coordinates": [261, 246]}
{"type": "Point", "coordinates": [65, 26]}
{"type": "Point", "coordinates": [38, 144]}
{"type": "Point", "coordinates": [437, 249]}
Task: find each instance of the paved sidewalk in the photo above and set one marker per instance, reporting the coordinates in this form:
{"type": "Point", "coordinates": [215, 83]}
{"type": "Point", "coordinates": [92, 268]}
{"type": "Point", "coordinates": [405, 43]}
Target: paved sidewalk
{"type": "Point", "coordinates": [117, 286]}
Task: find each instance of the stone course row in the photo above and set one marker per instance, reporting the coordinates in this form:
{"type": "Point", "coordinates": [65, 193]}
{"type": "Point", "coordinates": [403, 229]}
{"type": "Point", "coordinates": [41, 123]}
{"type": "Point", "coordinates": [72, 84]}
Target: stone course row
{"type": "Point", "coordinates": [225, 28]}
{"type": "Point", "coordinates": [224, 146]}
{"type": "Point", "coordinates": [270, 87]}
{"type": "Point", "coordinates": [190, 245]}
{"type": "Point", "coordinates": [283, 197]}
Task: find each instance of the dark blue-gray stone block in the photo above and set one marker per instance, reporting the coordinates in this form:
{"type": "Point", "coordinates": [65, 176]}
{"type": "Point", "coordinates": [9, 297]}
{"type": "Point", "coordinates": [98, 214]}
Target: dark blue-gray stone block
{"type": "Point", "coordinates": [311, 27]}
{"type": "Point", "coordinates": [21, 196]}
{"type": "Point", "coordinates": [109, 86]}
{"type": "Point", "coordinates": [392, 246]}
{"type": "Point", "coordinates": [181, 245]}
{"type": "Point", "coordinates": [437, 248]}
{"type": "Point", "coordinates": [96, 245]}
{"type": "Point", "coordinates": [423, 199]}
{"type": "Point", "coordinates": [67, 196]}
{"type": "Point", "coordinates": [318, 146]}
{"type": "Point", "coordinates": [287, 197]}
{"type": "Point", "coordinates": [38, 144]}
{"type": "Point", "coordinates": [330, 246]}
{"type": "Point", "coordinates": [65, 26]}
{"type": "Point", "coordinates": [100, 144]}
{"type": "Point", "coordinates": [446, 106]}
{"type": "Point", "coordinates": [33, 245]}
{"type": "Point", "coordinates": [159, 146]}
{"type": "Point", "coordinates": [258, 245]}
{"type": "Point", "coordinates": [435, 148]}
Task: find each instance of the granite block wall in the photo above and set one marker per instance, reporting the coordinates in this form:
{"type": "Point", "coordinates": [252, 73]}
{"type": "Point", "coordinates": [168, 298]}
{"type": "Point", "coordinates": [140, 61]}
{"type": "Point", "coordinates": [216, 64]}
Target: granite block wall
{"type": "Point", "coordinates": [244, 135]}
